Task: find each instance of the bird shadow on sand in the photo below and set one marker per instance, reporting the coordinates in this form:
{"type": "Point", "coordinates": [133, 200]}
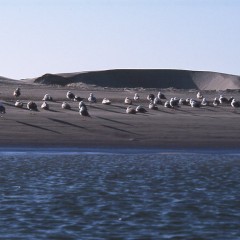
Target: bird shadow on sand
{"type": "Point", "coordinates": [187, 112]}
{"type": "Point", "coordinates": [117, 106]}
{"type": "Point", "coordinates": [67, 123]}
{"type": "Point", "coordinates": [119, 129]}
{"type": "Point", "coordinates": [108, 110]}
{"type": "Point", "coordinates": [234, 111]}
{"type": "Point", "coordinates": [38, 127]}
{"type": "Point", "coordinates": [210, 109]}
{"type": "Point", "coordinates": [9, 104]}
{"type": "Point", "coordinates": [164, 111]}
{"type": "Point", "coordinates": [115, 121]}
{"type": "Point", "coordinates": [52, 110]}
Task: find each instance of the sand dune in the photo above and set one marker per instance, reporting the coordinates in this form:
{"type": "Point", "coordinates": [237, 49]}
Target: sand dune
{"type": "Point", "coordinates": [131, 78]}
{"type": "Point", "coordinates": [7, 80]}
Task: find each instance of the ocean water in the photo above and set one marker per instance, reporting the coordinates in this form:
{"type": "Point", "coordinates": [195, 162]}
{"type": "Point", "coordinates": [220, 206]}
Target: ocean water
{"type": "Point", "coordinates": [165, 195]}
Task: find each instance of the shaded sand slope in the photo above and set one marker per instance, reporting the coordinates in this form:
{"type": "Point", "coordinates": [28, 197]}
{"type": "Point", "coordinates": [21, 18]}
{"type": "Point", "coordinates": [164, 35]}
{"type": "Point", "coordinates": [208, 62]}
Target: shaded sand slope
{"type": "Point", "coordinates": [7, 80]}
{"type": "Point", "coordinates": [162, 78]}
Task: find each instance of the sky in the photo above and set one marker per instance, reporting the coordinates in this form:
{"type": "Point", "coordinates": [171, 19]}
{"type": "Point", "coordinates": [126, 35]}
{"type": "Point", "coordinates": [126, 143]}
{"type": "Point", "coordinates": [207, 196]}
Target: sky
{"type": "Point", "coordinates": [59, 36]}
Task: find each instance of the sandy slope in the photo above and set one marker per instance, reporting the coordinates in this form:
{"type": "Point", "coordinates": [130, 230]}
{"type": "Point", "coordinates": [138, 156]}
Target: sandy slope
{"type": "Point", "coordinates": [110, 126]}
{"type": "Point", "coordinates": [159, 78]}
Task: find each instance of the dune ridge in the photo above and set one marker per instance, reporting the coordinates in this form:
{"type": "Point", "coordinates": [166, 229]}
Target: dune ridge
{"type": "Point", "coordinates": [146, 78]}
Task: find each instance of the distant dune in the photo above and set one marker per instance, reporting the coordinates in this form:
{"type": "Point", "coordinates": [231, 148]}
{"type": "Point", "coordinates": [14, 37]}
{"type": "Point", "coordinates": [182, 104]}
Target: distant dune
{"type": "Point", "coordinates": [8, 80]}
{"type": "Point", "coordinates": [162, 78]}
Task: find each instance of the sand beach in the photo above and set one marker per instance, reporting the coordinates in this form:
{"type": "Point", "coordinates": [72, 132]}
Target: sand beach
{"type": "Point", "coordinates": [109, 126]}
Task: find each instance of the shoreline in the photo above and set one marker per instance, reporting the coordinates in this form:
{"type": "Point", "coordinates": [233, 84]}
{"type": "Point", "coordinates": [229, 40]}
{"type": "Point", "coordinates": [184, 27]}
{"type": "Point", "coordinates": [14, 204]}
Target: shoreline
{"type": "Point", "coordinates": [107, 150]}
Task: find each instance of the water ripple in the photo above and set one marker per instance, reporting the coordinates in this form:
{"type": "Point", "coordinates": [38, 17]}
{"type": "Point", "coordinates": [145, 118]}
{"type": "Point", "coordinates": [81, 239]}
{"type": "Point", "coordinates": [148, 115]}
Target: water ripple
{"type": "Point", "coordinates": [122, 196]}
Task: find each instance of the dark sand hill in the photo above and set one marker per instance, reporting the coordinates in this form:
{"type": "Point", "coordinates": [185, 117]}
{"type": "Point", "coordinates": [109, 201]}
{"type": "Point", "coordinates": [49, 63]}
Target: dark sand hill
{"type": "Point", "coordinates": [162, 78]}
{"type": "Point", "coordinates": [7, 80]}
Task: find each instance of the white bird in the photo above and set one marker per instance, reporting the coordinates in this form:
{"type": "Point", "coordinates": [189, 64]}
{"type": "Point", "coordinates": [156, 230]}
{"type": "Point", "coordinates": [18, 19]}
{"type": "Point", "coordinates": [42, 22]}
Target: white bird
{"type": "Point", "coordinates": [199, 95]}
{"type": "Point", "coordinates": [194, 103]}
{"type": "Point", "coordinates": [78, 99]}
{"type": "Point", "coordinates": [70, 95]}
{"type": "Point", "coordinates": [140, 109]}
{"type": "Point", "coordinates": [45, 106]}
{"type": "Point", "coordinates": [230, 100]}
{"type": "Point", "coordinates": [152, 106]}
{"type": "Point", "coordinates": [223, 99]}
{"type": "Point", "coordinates": [235, 104]}
{"type": "Point", "coordinates": [216, 102]}
{"type": "Point", "coordinates": [83, 111]}
{"type": "Point", "coordinates": [174, 102]}
{"type": "Point", "coordinates": [18, 104]}
{"type": "Point", "coordinates": [161, 95]}
{"type": "Point", "coordinates": [183, 101]}
{"type": "Point", "coordinates": [128, 101]}
{"type": "Point", "coordinates": [82, 104]}
{"type": "Point", "coordinates": [32, 106]}
{"type": "Point", "coordinates": [17, 92]}
{"type": "Point", "coordinates": [2, 108]}
{"type": "Point", "coordinates": [65, 105]}
{"type": "Point", "coordinates": [204, 102]}
{"type": "Point", "coordinates": [106, 101]}
{"type": "Point", "coordinates": [136, 97]}
{"type": "Point", "coordinates": [167, 104]}
{"type": "Point", "coordinates": [157, 100]}
{"type": "Point", "coordinates": [130, 110]}
{"type": "Point", "coordinates": [47, 97]}
{"type": "Point", "coordinates": [91, 98]}
{"type": "Point", "coordinates": [150, 97]}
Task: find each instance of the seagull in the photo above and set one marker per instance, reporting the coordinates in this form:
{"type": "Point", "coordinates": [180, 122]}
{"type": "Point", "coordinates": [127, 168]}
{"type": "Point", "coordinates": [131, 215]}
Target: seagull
{"type": "Point", "coordinates": [230, 100]}
{"type": "Point", "coordinates": [167, 104]}
{"type": "Point", "coordinates": [223, 100]}
{"type": "Point", "coordinates": [65, 105]}
{"type": "Point", "coordinates": [136, 97]}
{"type": "Point", "coordinates": [188, 101]}
{"type": "Point", "coordinates": [70, 95]}
{"type": "Point", "coordinates": [161, 95]}
{"type": "Point", "coordinates": [204, 102]}
{"type": "Point", "coordinates": [78, 99]}
{"type": "Point", "coordinates": [183, 101]}
{"type": "Point", "coordinates": [45, 106]}
{"type": "Point", "coordinates": [152, 106]}
{"type": "Point", "coordinates": [106, 101]}
{"type": "Point", "coordinates": [194, 103]}
{"type": "Point", "coordinates": [199, 95]}
{"type": "Point", "coordinates": [150, 97]}
{"type": "Point", "coordinates": [174, 102]}
{"type": "Point", "coordinates": [18, 104]}
{"type": "Point", "coordinates": [140, 109]}
{"type": "Point", "coordinates": [91, 98]}
{"type": "Point", "coordinates": [2, 108]}
{"type": "Point", "coordinates": [32, 106]}
{"type": "Point", "coordinates": [157, 100]}
{"type": "Point", "coordinates": [82, 104]}
{"type": "Point", "coordinates": [130, 110]}
{"type": "Point", "coordinates": [216, 102]}
{"type": "Point", "coordinates": [47, 97]}
{"type": "Point", "coordinates": [83, 111]}
{"type": "Point", "coordinates": [128, 101]}
{"type": "Point", "coordinates": [235, 104]}
{"type": "Point", "coordinates": [17, 92]}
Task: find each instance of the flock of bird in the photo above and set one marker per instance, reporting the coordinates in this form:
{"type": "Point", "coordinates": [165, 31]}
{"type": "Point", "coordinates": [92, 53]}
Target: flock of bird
{"type": "Point", "coordinates": [177, 102]}
{"type": "Point", "coordinates": [153, 101]}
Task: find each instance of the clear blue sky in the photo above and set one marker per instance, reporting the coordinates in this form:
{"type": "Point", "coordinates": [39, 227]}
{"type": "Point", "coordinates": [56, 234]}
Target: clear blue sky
{"type": "Point", "coordinates": [53, 36]}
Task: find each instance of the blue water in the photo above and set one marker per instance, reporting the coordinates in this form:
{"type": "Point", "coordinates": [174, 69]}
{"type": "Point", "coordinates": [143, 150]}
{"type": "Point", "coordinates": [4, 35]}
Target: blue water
{"type": "Point", "coordinates": [47, 195]}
